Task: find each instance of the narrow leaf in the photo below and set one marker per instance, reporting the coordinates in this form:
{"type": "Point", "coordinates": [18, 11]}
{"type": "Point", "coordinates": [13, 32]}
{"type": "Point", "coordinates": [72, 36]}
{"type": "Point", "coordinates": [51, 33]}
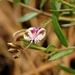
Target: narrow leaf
{"type": "Point", "coordinates": [16, 1]}
{"type": "Point", "coordinates": [69, 70]}
{"type": "Point", "coordinates": [71, 12]}
{"type": "Point", "coordinates": [50, 48]}
{"type": "Point", "coordinates": [0, 0]}
{"type": "Point", "coordinates": [58, 5]}
{"type": "Point", "coordinates": [72, 1]}
{"type": "Point", "coordinates": [42, 3]}
{"type": "Point", "coordinates": [27, 17]}
{"type": "Point", "coordinates": [68, 25]}
{"type": "Point", "coordinates": [53, 7]}
{"type": "Point", "coordinates": [58, 31]}
{"type": "Point", "coordinates": [26, 1]}
{"type": "Point", "coordinates": [61, 54]}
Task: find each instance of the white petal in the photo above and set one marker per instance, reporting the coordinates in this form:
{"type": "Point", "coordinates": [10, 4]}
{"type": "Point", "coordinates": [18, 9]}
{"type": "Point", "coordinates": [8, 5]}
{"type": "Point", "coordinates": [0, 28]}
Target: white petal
{"type": "Point", "coordinates": [28, 34]}
{"type": "Point", "coordinates": [26, 37]}
{"type": "Point", "coordinates": [39, 37]}
{"type": "Point", "coordinates": [31, 28]}
{"type": "Point", "coordinates": [41, 31]}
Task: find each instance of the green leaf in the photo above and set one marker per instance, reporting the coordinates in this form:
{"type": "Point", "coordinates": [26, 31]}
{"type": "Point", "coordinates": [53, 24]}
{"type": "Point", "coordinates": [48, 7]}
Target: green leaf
{"type": "Point", "coordinates": [50, 48]}
{"type": "Point", "coordinates": [69, 70]}
{"type": "Point", "coordinates": [58, 5]}
{"type": "Point", "coordinates": [27, 17]}
{"type": "Point", "coordinates": [16, 1]}
{"type": "Point", "coordinates": [72, 1]}
{"type": "Point", "coordinates": [58, 31]}
{"type": "Point", "coordinates": [26, 1]}
{"type": "Point", "coordinates": [71, 12]}
{"type": "Point", "coordinates": [61, 54]}
{"type": "Point", "coordinates": [0, 0]}
{"type": "Point", "coordinates": [68, 25]}
{"type": "Point", "coordinates": [42, 3]}
{"type": "Point", "coordinates": [53, 7]}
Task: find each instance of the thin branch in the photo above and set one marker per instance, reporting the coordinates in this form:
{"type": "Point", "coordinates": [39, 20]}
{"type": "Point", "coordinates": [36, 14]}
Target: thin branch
{"type": "Point", "coordinates": [44, 13]}
{"type": "Point", "coordinates": [58, 50]}
{"type": "Point", "coordinates": [66, 3]}
{"type": "Point", "coordinates": [67, 48]}
{"type": "Point", "coordinates": [28, 46]}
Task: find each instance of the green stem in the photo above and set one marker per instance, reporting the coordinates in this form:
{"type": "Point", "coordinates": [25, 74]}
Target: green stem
{"type": "Point", "coordinates": [58, 50]}
{"type": "Point", "coordinates": [47, 22]}
{"type": "Point", "coordinates": [35, 46]}
{"type": "Point", "coordinates": [38, 48]}
{"type": "Point", "coordinates": [68, 25]}
{"type": "Point", "coordinates": [66, 13]}
{"type": "Point", "coordinates": [66, 10]}
{"type": "Point", "coordinates": [66, 49]}
{"type": "Point", "coordinates": [67, 19]}
{"type": "Point", "coordinates": [32, 46]}
{"type": "Point", "coordinates": [52, 53]}
{"type": "Point", "coordinates": [66, 3]}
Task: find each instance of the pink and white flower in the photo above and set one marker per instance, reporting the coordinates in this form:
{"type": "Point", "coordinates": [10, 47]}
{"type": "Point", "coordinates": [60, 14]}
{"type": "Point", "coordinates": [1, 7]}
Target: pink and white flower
{"type": "Point", "coordinates": [34, 34]}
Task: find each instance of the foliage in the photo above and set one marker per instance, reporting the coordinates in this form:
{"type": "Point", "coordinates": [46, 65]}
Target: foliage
{"type": "Point", "coordinates": [55, 7]}
{"type": "Point", "coordinates": [69, 70]}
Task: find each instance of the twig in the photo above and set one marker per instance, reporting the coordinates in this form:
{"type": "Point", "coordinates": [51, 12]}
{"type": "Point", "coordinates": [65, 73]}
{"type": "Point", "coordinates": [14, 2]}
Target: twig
{"type": "Point", "coordinates": [28, 46]}
{"type": "Point", "coordinates": [44, 13]}
{"type": "Point", "coordinates": [67, 48]}
{"type": "Point", "coordinates": [66, 3]}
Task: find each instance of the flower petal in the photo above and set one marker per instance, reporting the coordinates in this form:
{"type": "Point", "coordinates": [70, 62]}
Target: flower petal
{"type": "Point", "coordinates": [28, 35]}
{"type": "Point", "coordinates": [39, 37]}
{"type": "Point", "coordinates": [42, 31]}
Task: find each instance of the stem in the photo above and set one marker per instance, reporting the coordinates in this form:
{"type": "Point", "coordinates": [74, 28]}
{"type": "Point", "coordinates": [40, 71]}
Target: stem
{"type": "Point", "coordinates": [62, 10]}
{"type": "Point", "coordinates": [22, 50]}
{"type": "Point", "coordinates": [42, 12]}
{"type": "Point", "coordinates": [28, 46]}
{"type": "Point", "coordinates": [38, 48]}
{"type": "Point", "coordinates": [33, 46]}
{"type": "Point", "coordinates": [66, 49]}
{"type": "Point", "coordinates": [31, 8]}
{"type": "Point", "coordinates": [47, 22]}
{"type": "Point", "coordinates": [58, 50]}
{"type": "Point", "coordinates": [66, 13]}
{"type": "Point", "coordinates": [68, 25]}
{"type": "Point", "coordinates": [68, 4]}
{"type": "Point", "coordinates": [52, 53]}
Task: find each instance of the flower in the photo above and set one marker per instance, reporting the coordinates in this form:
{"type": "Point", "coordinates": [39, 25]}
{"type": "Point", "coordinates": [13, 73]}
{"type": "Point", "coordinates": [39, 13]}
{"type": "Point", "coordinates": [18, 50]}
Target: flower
{"type": "Point", "coordinates": [34, 34]}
